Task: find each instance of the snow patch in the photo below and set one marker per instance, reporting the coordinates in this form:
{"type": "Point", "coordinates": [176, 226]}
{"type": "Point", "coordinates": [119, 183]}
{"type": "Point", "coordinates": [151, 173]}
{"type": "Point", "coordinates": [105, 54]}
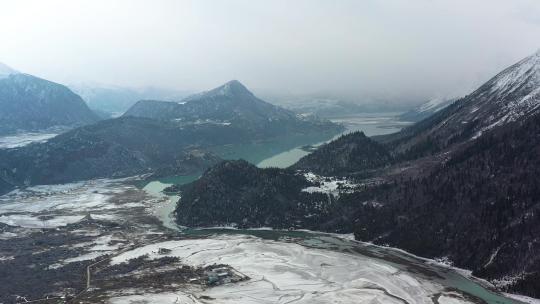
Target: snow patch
{"type": "Point", "coordinates": [521, 298]}
{"type": "Point", "coordinates": [507, 281]}
{"type": "Point", "coordinates": [284, 272]}
{"type": "Point", "coordinates": [452, 299]}
{"type": "Point", "coordinates": [157, 298]}
{"type": "Point", "coordinates": [435, 105]}
{"type": "Point", "coordinates": [23, 139]}
{"type": "Point", "coordinates": [28, 221]}
{"type": "Point", "coordinates": [330, 185]}
{"type": "Point", "coordinates": [85, 257]}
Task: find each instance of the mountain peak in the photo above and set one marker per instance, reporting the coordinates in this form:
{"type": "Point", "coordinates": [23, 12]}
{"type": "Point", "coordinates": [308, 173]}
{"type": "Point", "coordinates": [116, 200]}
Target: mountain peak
{"type": "Point", "coordinates": [523, 75]}
{"type": "Point", "coordinates": [233, 87]}
{"type": "Point", "coordinates": [5, 70]}
{"type": "Point", "coordinates": [234, 82]}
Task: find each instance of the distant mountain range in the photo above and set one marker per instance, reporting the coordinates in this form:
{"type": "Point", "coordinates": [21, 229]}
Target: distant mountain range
{"type": "Point", "coordinates": [113, 101]}
{"type": "Point", "coordinates": [29, 103]}
{"type": "Point", "coordinates": [461, 185]}
{"type": "Point", "coordinates": [330, 107]}
{"type": "Point", "coordinates": [231, 104]}
{"type": "Point", "coordinates": [151, 139]}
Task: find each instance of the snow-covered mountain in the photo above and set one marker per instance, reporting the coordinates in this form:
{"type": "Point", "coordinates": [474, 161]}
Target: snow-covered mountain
{"type": "Point", "coordinates": [29, 103]}
{"type": "Point", "coordinates": [426, 109]}
{"type": "Point", "coordinates": [515, 92]}
{"type": "Point", "coordinates": [225, 102]}
{"type": "Point", "coordinates": [511, 95]}
{"type": "Point", "coordinates": [465, 178]}
{"type": "Point", "coordinates": [231, 104]}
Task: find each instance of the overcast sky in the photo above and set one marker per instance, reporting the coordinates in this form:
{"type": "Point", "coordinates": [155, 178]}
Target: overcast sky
{"type": "Point", "coordinates": [354, 48]}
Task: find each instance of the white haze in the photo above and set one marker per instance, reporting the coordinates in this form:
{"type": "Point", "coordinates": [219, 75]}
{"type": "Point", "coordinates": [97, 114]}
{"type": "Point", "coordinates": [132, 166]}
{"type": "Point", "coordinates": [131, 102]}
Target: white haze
{"type": "Point", "coordinates": [385, 48]}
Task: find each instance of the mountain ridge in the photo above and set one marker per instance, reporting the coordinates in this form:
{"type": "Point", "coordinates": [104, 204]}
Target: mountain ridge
{"type": "Point", "coordinates": [467, 185]}
{"type": "Point", "coordinates": [110, 148]}
{"type": "Point", "coordinates": [231, 104]}
{"type": "Point", "coordinates": [508, 96]}
{"type": "Point", "coordinates": [426, 109]}
{"type": "Point", "coordinates": [31, 103]}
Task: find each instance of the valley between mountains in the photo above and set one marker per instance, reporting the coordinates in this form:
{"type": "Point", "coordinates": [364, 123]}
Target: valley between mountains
{"type": "Point", "coordinates": [460, 185]}
{"type": "Point", "coordinates": [221, 197]}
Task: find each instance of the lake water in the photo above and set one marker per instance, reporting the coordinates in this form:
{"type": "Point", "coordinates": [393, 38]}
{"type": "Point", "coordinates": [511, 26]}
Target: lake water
{"type": "Point", "coordinates": [279, 153]}
{"type": "Point", "coordinates": [370, 123]}
{"type": "Point", "coordinates": [285, 151]}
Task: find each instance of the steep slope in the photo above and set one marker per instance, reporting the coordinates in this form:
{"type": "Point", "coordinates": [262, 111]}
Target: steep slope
{"type": "Point", "coordinates": [30, 103]}
{"type": "Point", "coordinates": [112, 148]}
{"type": "Point", "coordinates": [511, 95]}
{"type": "Point", "coordinates": [427, 109]}
{"type": "Point", "coordinates": [480, 209]}
{"type": "Point", "coordinates": [349, 154]}
{"type": "Point", "coordinates": [463, 184]}
{"type": "Point", "coordinates": [237, 192]}
{"type": "Point", "coordinates": [231, 104]}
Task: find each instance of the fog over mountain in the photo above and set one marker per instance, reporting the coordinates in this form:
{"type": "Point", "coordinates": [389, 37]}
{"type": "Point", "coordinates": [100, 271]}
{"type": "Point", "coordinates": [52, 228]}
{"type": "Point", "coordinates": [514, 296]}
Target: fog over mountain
{"type": "Point", "coordinates": [271, 151]}
{"type": "Point", "coordinates": [359, 50]}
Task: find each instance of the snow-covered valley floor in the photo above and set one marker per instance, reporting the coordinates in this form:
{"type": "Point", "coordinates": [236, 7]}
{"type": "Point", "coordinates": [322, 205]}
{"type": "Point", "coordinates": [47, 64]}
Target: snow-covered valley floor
{"type": "Point", "coordinates": [23, 139]}
{"type": "Point", "coordinates": [52, 237]}
{"type": "Point", "coordinates": [283, 272]}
